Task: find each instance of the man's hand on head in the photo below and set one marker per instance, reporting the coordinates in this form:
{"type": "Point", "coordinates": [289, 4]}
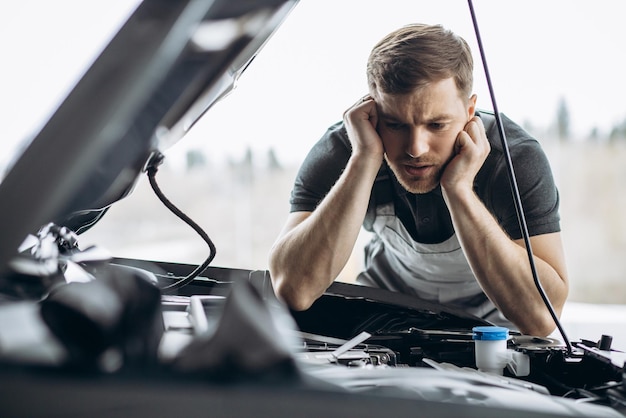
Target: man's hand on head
{"type": "Point", "coordinates": [360, 121]}
{"type": "Point", "coordinates": [471, 150]}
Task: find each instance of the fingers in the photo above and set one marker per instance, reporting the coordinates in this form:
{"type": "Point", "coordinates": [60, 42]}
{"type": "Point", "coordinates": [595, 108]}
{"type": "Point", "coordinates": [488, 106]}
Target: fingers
{"type": "Point", "coordinates": [361, 101]}
{"type": "Point", "coordinates": [475, 130]}
{"type": "Point", "coordinates": [360, 121]}
{"type": "Point", "coordinates": [365, 98]}
{"type": "Point", "coordinates": [472, 141]}
{"type": "Point", "coordinates": [462, 139]}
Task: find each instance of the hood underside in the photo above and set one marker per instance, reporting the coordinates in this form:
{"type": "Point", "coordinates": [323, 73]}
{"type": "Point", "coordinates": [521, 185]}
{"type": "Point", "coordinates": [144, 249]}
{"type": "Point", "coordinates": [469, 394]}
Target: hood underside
{"type": "Point", "coordinates": [168, 64]}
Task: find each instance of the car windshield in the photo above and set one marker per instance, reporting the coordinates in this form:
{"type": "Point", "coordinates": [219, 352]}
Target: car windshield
{"type": "Point", "coordinates": [558, 73]}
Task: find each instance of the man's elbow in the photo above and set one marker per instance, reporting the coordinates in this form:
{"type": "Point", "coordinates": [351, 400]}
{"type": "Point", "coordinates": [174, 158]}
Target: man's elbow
{"type": "Point", "coordinates": [296, 301]}
{"type": "Point", "coordinates": [541, 331]}
{"type": "Point", "coordinates": [544, 323]}
{"type": "Point", "coordinates": [540, 327]}
{"type": "Point", "coordinates": [293, 295]}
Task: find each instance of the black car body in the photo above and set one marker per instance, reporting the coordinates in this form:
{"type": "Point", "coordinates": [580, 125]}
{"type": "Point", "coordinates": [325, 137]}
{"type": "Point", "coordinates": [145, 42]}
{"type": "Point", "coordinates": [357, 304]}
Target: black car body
{"type": "Point", "coordinates": [86, 334]}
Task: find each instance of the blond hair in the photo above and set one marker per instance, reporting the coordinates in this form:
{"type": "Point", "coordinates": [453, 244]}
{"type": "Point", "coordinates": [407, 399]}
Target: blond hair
{"type": "Point", "coordinates": [417, 54]}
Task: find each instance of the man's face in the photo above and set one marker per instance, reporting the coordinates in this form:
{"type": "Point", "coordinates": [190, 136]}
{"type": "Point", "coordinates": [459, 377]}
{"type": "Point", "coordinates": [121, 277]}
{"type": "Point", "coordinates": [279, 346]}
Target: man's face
{"type": "Point", "coordinates": [419, 131]}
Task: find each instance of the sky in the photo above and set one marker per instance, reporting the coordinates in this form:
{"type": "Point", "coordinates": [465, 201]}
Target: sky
{"type": "Point", "coordinates": [312, 69]}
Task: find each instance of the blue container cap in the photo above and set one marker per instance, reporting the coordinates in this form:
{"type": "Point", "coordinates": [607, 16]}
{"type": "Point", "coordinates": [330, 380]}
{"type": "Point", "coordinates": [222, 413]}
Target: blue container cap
{"type": "Point", "coordinates": [490, 333]}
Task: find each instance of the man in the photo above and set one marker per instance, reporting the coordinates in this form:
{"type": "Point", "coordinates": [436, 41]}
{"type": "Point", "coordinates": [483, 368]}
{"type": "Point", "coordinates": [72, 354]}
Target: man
{"type": "Point", "coordinates": [417, 164]}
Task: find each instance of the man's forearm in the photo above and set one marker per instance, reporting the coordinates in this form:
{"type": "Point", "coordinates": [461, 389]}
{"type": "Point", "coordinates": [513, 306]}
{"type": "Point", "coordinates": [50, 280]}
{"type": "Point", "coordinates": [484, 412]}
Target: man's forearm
{"type": "Point", "coordinates": [313, 250]}
{"type": "Point", "coordinates": [502, 267]}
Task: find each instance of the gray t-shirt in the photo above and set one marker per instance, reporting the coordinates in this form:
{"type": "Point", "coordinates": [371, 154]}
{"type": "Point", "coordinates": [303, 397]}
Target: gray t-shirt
{"type": "Point", "coordinates": [425, 216]}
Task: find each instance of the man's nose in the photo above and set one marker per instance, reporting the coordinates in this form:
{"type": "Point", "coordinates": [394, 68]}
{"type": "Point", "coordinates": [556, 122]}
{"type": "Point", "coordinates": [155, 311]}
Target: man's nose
{"type": "Point", "coordinates": [418, 142]}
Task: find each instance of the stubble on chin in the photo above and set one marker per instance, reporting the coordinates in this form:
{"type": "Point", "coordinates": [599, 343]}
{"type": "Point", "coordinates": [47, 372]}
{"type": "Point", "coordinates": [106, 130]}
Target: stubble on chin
{"type": "Point", "coordinates": [412, 185]}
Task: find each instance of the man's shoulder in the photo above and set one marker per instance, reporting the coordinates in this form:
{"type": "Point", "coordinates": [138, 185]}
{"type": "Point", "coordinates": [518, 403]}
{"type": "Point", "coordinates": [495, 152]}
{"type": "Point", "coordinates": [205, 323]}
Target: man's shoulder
{"type": "Point", "coordinates": [337, 132]}
{"type": "Point", "coordinates": [514, 133]}
{"type": "Point", "coordinates": [333, 145]}
{"type": "Point", "coordinates": [523, 149]}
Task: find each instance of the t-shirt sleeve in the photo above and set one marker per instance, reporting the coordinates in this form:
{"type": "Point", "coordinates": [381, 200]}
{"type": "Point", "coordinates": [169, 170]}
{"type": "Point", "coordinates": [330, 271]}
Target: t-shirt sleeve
{"type": "Point", "coordinates": [320, 170]}
{"type": "Point", "coordinates": [538, 192]}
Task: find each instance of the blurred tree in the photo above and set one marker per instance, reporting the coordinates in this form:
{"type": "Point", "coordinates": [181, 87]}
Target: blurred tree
{"type": "Point", "coordinates": [594, 134]}
{"type": "Point", "coordinates": [245, 169]}
{"type": "Point", "coordinates": [195, 159]}
{"type": "Point", "coordinates": [563, 120]}
{"type": "Point", "coordinates": [272, 160]}
{"type": "Point", "coordinates": [248, 158]}
{"type": "Point", "coordinates": [618, 132]}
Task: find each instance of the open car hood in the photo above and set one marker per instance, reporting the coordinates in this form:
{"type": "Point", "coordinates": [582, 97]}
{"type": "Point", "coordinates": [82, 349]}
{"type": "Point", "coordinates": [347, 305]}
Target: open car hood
{"type": "Point", "coordinates": [169, 63]}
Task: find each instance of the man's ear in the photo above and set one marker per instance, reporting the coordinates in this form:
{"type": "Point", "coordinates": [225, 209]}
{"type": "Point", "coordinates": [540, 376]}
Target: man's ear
{"type": "Point", "coordinates": [471, 106]}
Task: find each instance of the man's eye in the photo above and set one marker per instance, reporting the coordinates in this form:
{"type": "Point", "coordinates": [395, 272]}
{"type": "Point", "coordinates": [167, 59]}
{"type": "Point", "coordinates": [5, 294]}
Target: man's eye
{"type": "Point", "coordinates": [436, 126]}
{"type": "Point", "coordinates": [395, 126]}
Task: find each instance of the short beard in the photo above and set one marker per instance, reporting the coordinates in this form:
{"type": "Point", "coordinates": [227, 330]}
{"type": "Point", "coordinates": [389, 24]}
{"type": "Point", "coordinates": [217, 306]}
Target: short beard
{"type": "Point", "coordinates": [422, 186]}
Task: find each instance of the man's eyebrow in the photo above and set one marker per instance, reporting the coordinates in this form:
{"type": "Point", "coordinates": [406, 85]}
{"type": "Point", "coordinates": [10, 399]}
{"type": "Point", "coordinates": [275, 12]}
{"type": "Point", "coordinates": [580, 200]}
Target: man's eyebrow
{"type": "Point", "coordinates": [387, 116]}
{"type": "Point", "coordinates": [439, 118]}
{"type": "Point", "coordinates": [435, 118]}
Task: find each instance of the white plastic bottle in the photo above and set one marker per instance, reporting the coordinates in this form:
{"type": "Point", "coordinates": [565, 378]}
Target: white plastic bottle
{"type": "Point", "coordinates": [490, 348]}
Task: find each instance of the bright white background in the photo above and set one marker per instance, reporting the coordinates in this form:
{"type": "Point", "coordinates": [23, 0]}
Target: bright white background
{"type": "Point", "coordinates": [537, 51]}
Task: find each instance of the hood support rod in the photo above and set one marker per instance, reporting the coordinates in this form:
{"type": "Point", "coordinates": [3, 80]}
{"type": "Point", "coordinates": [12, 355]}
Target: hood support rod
{"type": "Point", "coordinates": [516, 195]}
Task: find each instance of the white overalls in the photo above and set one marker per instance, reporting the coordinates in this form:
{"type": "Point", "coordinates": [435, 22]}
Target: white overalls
{"type": "Point", "coordinates": [435, 272]}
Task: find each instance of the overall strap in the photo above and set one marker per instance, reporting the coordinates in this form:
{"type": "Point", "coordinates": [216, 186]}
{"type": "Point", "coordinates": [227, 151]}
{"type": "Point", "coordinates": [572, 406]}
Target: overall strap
{"type": "Point", "coordinates": [382, 193]}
